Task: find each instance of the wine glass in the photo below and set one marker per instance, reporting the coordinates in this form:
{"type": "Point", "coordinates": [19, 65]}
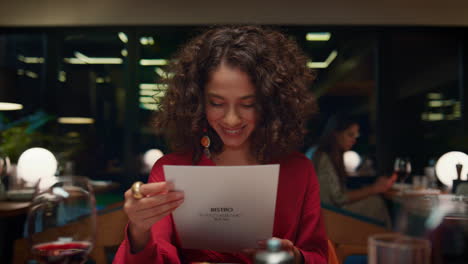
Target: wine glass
{"type": "Point", "coordinates": [402, 167]}
{"type": "Point", "coordinates": [389, 248]}
{"type": "Point", "coordinates": [61, 222]}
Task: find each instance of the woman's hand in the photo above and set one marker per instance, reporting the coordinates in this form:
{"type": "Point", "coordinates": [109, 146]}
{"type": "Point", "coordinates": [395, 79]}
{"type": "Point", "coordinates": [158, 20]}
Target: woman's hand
{"type": "Point", "coordinates": [286, 245]}
{"type": "Point", "coordinates": [158, 201]}
{"type": "Point", "coordinates": [384, 183]}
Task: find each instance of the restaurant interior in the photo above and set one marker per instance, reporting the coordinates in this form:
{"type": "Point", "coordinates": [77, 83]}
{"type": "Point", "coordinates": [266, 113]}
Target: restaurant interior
{"type": "Point", "coordinates": [82, 81]}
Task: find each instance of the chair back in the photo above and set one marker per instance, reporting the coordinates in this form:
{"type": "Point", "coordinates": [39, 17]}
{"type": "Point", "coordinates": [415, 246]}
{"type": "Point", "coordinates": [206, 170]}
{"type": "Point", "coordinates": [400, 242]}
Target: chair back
{"type": "Point", "coordinates": [348, 235]}
{"type": "Point", "coordinates": [332, 258]}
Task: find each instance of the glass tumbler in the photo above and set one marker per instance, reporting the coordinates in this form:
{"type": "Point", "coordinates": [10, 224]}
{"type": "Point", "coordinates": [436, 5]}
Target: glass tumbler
{"type": "Point", "coordinates": [398, 248]}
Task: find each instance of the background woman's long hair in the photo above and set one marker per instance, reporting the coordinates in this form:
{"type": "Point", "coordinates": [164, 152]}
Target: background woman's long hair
{"type": "Point", "coordinates": [329, 143]}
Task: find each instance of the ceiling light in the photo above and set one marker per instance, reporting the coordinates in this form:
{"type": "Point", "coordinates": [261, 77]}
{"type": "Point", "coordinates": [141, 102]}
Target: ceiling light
{"type": "Point", "coordinates": [31, 74]}
{"type": "Point", "coordinates": [146, 41]}
{"type": "Point", "coordinates": [331, 57]}
{"type": "Point", "coordinates": [324, 64]}
{"type": "Point", "coordinates": [10, 106]}
{"type": "Point", "coordinates": [123, 37]}
{"type": "Point", "coordinates": [317, 65]}
{"type": "Point", "coordinates": [143, 41]}
{"type": "Point", "coordinates": [318, 36]}
{"type": "Point", "coordinates": [62, 76]}
{"type": "Point", "coordinates": [147, 92]}
{"type": "Point", "coordinates": [434, 96]}
{"type": "Point", "coordinates": [73, 61]}
{"type": "Point", "coordinates": [153, 62]}
{"type": "Point", "coordinates": [160, 72]}
{"type": "Point", "coordinates": [435, 103]}
{"type": "Point", "coordinates": [149, 106]}
{"type": "Point", "coordinates": [124, 53]}
{"type": "Point", "coordinates": [147, 99]}
{"type": "Point", "coordinates": [31, 60]}
{"type": "Point", "coordinates": [153, 86]}
{"type": "Point", "coordinates": [83, 59]}
{"type": "Point", "coordinates": [75, 120]}
{"type": "Point", "coordinates": [435, 116]}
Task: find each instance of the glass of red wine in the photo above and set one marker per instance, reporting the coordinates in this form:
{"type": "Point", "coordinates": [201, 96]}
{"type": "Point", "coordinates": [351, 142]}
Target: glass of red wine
{"type": "Point", "coordinates": [402, 167]}
{"type": "Point", "coordinates": [61, 222]}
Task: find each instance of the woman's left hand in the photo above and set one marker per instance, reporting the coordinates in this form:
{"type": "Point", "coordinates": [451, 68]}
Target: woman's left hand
{"type": "Point", "coordinates": [286, 245]}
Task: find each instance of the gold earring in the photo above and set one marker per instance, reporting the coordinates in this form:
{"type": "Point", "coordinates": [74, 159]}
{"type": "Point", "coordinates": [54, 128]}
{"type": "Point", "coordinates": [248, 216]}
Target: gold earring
{"type": "Point", "coordinates": [205, 142]}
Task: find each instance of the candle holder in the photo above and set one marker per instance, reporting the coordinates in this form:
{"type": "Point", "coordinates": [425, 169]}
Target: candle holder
{"type": "Point", "coordinates": [458, 183]}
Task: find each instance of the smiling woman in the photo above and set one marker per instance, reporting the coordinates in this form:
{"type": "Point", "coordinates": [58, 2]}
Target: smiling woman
{"type": "Point", "coordinates": [230, 109]}
{"type": "Point", "coordinates": [268, 72]}
{"type": "Point", "coordinates": [242, 92]}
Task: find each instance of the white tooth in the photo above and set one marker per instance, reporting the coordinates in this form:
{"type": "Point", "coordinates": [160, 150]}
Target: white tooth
{"type": "Point", "coordinates": [232, 131]}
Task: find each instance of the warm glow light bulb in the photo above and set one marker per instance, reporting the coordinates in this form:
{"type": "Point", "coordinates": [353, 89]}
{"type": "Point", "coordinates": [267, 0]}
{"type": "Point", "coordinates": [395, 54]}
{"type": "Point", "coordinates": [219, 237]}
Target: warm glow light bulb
{"type": "Point", "coordinates": [35, 164]}
{"type": "Point", "coordinates": [446, 170]}
{"type": "Point", "coordinates": [351, 160]}
{"type": "Point", "coordinates": [151, 156]}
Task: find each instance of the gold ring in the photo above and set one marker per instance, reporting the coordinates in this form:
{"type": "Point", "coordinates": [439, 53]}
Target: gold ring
{"type": "Point", "coordinates": [136, 190]}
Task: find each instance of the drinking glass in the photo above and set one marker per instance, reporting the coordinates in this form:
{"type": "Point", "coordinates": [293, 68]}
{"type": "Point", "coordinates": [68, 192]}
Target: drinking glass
{"type": "Point", "coordinates": [397, 248]}
{"type": "Point", "coordinates": [402, 167]}
{"type": "Point", "coordinates": [61, 222]}
{"type": "Point", "coordinates": [440, 219]}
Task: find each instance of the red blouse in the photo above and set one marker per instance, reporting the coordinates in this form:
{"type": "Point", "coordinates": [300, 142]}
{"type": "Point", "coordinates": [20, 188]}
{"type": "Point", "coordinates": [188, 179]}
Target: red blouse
{"type": "Point", "coordinates": [297, 218]}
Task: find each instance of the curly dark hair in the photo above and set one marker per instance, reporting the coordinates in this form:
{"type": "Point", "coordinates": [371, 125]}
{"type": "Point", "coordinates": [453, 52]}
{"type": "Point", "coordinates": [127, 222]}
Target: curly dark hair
{"type": "Point", "coordinates": [276, 67]}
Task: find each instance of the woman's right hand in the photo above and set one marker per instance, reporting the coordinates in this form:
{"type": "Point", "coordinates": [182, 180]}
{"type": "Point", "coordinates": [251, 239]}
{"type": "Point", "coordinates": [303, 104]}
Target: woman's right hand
{"type": "Point", "coordinates": [158, 201]}
{"type": "Point", "coordinates": [383, 183]}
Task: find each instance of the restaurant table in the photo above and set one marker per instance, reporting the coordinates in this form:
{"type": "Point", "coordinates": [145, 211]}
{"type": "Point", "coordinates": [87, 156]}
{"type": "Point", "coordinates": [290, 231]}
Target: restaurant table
{"type": "Point", "coordinates": [397, 194]}
{"type": "Point", "coordinates": [12, 218]}
{"type": "Point", "coordinates": [13, 208]}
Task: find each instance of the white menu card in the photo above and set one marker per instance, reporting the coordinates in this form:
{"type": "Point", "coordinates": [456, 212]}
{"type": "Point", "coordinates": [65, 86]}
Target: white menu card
{"type": "Point", "coordinates": [226, 208]}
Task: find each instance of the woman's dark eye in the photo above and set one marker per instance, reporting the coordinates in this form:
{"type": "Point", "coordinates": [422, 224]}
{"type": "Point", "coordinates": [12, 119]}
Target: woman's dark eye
{"type": "Point", "coordinates": [215, 104]}
{"type": "Point", "coordinates": [248, 105]}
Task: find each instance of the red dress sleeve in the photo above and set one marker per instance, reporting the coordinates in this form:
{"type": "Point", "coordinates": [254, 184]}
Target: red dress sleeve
{"type": "Point", "coordinates": [312, 238]}
{"type": "Point", "coordinates": [161, 248]}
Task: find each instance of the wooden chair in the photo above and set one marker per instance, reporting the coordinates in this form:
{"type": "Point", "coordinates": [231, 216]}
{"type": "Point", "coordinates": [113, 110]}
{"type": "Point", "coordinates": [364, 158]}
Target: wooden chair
{"type": "Point", "coordinates": [332, 257]}
{"type": "Point", "coordinates": [110, 229]}
{"type": "Point", "coordinates": [349, 235]}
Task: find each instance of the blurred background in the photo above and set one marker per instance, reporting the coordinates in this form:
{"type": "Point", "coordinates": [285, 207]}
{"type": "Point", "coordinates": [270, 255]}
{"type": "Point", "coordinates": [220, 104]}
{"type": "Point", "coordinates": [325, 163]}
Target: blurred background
{"type": "Point", "coordinates": [399, 69]}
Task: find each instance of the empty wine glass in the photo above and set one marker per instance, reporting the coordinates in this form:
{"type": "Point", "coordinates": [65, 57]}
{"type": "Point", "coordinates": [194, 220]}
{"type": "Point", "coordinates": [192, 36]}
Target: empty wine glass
{"type": "Point", "coordinates": [61, 222]}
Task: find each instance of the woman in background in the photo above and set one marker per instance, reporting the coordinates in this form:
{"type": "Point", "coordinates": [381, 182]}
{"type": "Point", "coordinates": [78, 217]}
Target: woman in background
{"type": "Point", "coordinates": [340, 136]}
{"type": "Point", "coordinates": [238, 96]}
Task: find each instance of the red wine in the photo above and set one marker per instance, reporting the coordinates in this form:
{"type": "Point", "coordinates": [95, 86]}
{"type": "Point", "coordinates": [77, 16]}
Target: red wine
{"type": "Point", "coordinates": [62, 252]}
{"type": "Point", "coordinates": [402, 175]}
